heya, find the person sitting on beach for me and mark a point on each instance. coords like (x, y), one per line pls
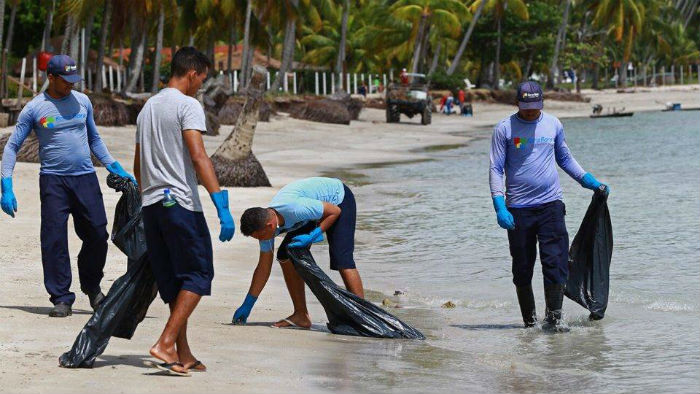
(169, 160)
(304, 210)
(526, 147)
(64, 125)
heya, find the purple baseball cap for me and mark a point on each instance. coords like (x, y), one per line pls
(63, 66)
(530, 95)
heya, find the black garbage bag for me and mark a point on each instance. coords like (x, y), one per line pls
(589, 258)
(347, 313)
(128, 299)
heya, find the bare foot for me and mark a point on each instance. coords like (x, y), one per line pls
(302, 320)
(167, 355)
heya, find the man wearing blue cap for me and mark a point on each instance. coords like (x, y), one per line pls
(525, 148)
(63, 122)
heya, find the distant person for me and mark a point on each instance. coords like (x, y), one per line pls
(304, 210)
(363, 89)
(169, 160)
(526, 147)
(404, 77)
(446, 105)
(460, 96)
(62, 119)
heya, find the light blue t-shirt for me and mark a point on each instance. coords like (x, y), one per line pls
(526, 153)
(302, 201)
(66, 131)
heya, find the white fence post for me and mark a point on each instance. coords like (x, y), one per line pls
(104, 76)
(294, 81)
(267, 77)
(235, 80)
(355, 82)
(316, 82)
(285, 82)
(34, 72)
(384, 79)
(111, 80)
(332, 83)
(20, 88)
(347, 83)
(324, 83)
(119, 79)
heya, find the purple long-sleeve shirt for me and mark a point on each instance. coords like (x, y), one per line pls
(525, 152)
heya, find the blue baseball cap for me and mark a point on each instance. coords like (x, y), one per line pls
(64, 67)
(530, 95)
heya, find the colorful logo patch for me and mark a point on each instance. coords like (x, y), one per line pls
(47, 122)
(520, 142)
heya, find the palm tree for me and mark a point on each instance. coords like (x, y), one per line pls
(423, 14)
(465, 40)
(246, 55)
(554, 68)
(287, 12)
(624, 19)
(498, 9)
(159, 48)
(8, 45)
(106, 23)
(340, 60)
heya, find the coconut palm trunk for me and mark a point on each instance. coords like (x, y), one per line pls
(246, 43)
(497, 67)
(554, 67)
(106, 22)
(341, 47)
(159, 48)
(8, 47)
(234, 161)
(465, 40)
(46, 37)
(419, 41)
(436, 57)
(287, 54)
(135, 66)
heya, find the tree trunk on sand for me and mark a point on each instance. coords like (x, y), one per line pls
(67, 34)
(436, 56)
(7, 48)
(465, 40)
(46, 37)
(234, 161)
(246, 44)
(341, 48)
(497, 67)
(135, 66)
(159, 49)
(287, 54)
(106, 21)
(622, 74)
(554, 67)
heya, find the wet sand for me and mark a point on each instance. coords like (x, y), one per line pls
(253, 358)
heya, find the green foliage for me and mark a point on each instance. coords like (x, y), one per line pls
(440, 80)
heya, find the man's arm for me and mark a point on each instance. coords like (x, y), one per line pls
(201, 161)
(24, 126)
(97, 146)
(261, 274)
(137, 164)
(497, 162)
(330, 215)
(564, 158)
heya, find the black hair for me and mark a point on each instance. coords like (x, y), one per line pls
(186, 59)
(253, 219)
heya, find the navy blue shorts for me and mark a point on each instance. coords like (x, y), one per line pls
(341, 235)
(179, 247)
(544, 225)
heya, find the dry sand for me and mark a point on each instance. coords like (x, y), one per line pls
(252, 358)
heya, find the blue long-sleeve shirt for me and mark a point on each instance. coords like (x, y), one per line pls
(525, 152)
(66, 131)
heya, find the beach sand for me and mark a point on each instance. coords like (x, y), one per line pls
(252, 358)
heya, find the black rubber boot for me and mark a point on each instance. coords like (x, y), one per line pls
(61, 309)
(553, 296)
(526, 299)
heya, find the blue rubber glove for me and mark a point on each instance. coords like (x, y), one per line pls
(9, 202)
(589, 182)
(505, 219)
(305, 240)
(117, 169)
(242, 313)
(220, 200)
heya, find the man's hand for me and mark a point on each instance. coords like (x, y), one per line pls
(117, 169)
(503, 216)
(242, 313)
(589, 182)
(9, 202)
(305, 240)
(228, 227)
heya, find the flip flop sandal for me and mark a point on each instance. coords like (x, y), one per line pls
(168, 367)
(291, 325)
(197, 363)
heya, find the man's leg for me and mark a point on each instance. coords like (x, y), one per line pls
(90, 223)
(165, 349)
(184, 352)
(55, 260)
(554, 255)
(341, 244)
(352, 281)
(523, 250)
(295, 286)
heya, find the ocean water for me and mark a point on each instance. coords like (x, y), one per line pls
(431, 233)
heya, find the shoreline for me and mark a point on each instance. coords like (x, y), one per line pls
(252, 358)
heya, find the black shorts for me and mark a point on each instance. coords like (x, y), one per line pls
(341, 235)
(180, 250)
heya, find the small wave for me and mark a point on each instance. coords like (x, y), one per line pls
(671, 306)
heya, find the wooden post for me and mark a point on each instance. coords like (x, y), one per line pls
(20, 89)
(316, 82)
(111, 80)
(34, 76)
(324, 84)
(391, 74)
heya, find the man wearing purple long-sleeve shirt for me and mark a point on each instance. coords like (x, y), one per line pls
(525, 149)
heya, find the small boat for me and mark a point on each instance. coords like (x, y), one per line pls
(598, 112)
(678, 107)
